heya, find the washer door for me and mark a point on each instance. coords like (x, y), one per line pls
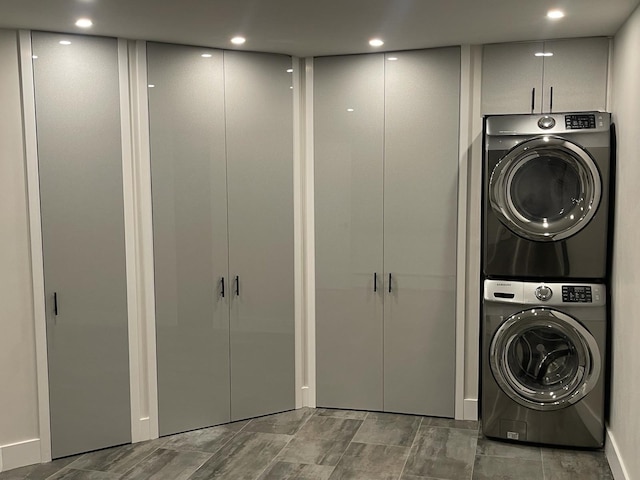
(544, 359)
(545, 189)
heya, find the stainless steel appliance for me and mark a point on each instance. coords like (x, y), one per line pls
(546, 196)
(543, 362)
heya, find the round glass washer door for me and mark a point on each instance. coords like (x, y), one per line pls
(544, 359)
(545, 189)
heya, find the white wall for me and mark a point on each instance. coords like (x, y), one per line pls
(624, 422)
(18, 390)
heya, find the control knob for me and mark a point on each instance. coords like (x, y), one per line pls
(543, 293)
(546, 122)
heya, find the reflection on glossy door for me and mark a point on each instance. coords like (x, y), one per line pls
(188, 170)
(80, 166)
(420, 214)
(349, 139)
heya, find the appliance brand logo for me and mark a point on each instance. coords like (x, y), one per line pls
(503, 284)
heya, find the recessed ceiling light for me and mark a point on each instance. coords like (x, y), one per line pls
(238, 40)
(543, 54)
(64, 42)
(34, 56)
(151, 85)
(83, 23)
(393, 59)
(289, 70)
(206, 55)
(349, 109)
(555, 14)
(376, 42)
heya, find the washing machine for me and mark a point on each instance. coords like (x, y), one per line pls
(543, 362)
(546, 196)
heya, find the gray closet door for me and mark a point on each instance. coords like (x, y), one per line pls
(188, 170)
(79, 153)
(259, 114)
(349, 134)
(422, 91)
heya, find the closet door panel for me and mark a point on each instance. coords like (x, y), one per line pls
(420, 214)
(349, 134)
(188, 170)
(80, 164)
(259, 114)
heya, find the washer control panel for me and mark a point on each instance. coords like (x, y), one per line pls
(577, 294)
(579, 122)
(544, 293)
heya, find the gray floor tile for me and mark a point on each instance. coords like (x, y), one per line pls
(450, 423)
(205, 440)
(338, 429)
(318, 451)
(73, 474)
(116, 459)
(333, 412)
(169, 464)
(415, 477)
(297, 471)
(506, 449)
(236, 426)
(245, 457)
(362, 458)
(388, 429)
(40, 471)
(286, 423)
(504, 468)
(575, 465)
(446, 453)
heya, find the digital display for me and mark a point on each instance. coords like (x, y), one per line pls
(575, 294)
(577, 122)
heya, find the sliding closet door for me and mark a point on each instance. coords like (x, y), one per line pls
(188, 170)
(80, 162)
(349, 142)
(422, 91)
(259, 112)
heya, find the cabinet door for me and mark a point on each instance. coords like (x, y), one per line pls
(77, 100)
(422, 92)
(577, 72)
(188, 171)
(349, 140)
(259, 113)
(511, 78)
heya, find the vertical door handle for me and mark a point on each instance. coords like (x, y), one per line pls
(55, 303)
(533, 99)
(222, 287)
(550, 99)
(375, 281)
(237, 285)
(389, 283)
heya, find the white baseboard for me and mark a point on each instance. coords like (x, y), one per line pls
(143, 431)
(470, 411)
(615, 460)
(19, 454)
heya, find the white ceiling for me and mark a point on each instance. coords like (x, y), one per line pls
(322, 27)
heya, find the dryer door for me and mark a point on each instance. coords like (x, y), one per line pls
(545, 189)
(544, 359)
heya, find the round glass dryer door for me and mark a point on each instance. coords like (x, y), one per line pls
(544, 359)
(546, 188)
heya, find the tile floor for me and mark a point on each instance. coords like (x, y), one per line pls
(321, 444)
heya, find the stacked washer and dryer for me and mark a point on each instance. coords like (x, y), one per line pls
(546, 197)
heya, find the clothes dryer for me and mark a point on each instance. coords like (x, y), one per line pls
(543, 362)
(546, 196)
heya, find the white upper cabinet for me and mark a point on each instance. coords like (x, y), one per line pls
(571, 76)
